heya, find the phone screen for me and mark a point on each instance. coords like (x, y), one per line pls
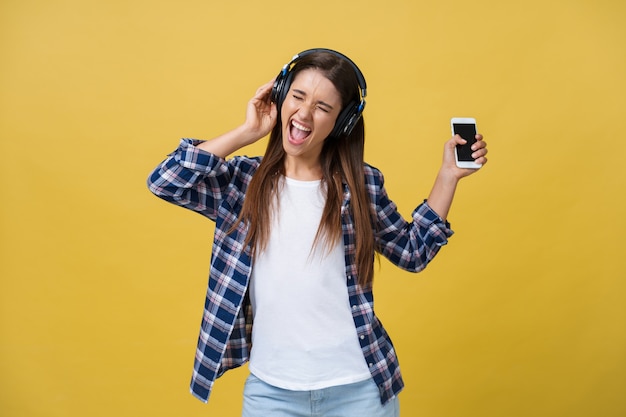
(468, 132)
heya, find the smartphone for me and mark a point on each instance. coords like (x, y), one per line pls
(466, 128)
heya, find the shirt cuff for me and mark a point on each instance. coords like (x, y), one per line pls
(194, 158)
(426, 217)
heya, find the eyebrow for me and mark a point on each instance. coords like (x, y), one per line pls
(320, 102)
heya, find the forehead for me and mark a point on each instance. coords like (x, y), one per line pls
(313, 81)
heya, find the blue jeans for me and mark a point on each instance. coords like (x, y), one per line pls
(360, 399)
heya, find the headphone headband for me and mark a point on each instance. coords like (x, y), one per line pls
(357, 71)
(349, 116)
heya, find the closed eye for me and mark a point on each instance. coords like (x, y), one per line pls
(322, 105)
(324, 109)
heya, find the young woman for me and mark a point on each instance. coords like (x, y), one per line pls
(295, 239)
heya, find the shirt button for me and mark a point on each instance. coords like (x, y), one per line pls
(362, 337)
(354, 307)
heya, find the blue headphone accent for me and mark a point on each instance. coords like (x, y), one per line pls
(350, 114)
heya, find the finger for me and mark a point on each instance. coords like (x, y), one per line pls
(264, 89)
(479, 153)
(481, 160)
(457, 139)
(478, 146)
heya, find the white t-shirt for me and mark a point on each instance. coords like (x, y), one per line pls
(304, 337)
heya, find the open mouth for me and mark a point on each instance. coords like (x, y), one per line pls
(298, 133)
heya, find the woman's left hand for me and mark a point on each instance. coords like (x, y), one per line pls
(442, 193)
(479, 152)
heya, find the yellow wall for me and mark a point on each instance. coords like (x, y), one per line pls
(102, 285)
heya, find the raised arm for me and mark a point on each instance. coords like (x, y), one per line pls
(444, 188)
(261, 116)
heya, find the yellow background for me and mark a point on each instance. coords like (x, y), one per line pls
(102, 285)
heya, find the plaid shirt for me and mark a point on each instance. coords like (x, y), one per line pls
(216, 188)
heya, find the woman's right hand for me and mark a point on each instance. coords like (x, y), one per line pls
(261, 116)
(261, 113)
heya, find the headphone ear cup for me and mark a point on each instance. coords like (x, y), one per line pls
(347, 119)
(276, 89)
(281, 88)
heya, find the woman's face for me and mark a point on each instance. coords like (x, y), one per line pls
(308, 115)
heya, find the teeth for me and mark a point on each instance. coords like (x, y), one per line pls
(300, 127)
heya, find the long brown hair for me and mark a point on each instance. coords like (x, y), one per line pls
(341, 161)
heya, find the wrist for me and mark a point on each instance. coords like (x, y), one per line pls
(448, 177)
(249, 134)
(244, 135)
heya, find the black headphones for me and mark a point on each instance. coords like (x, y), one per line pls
(352, 112)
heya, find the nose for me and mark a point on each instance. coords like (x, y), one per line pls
(304, 111)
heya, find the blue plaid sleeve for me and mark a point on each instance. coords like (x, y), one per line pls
(409, 245)
(197, 180)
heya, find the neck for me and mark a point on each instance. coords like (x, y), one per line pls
(303, 170)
